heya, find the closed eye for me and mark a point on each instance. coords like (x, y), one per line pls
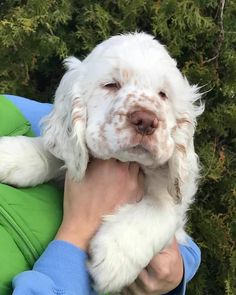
(115, 85)
(163, 95)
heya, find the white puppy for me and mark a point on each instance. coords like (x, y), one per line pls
(127, 100)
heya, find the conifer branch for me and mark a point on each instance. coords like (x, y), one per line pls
(221, 35)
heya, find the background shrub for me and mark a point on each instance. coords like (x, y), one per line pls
(36, 35)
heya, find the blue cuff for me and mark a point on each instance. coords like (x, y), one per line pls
(65, 264)
(32, 282)
(191, 255)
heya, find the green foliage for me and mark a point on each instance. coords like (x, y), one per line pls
(36, 35)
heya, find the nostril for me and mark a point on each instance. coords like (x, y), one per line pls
(138, 122)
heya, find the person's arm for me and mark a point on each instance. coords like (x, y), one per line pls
(62, 267)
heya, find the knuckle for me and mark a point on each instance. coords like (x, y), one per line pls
(122, 172)
(133, 185)
(165, 273)
(151, 287)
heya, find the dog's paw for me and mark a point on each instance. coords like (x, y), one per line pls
(24, 162)
(119, 251)
(124, 246)
(110, 266)
(9, 169)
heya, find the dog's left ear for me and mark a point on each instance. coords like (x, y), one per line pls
(64, 128)
(184, 165)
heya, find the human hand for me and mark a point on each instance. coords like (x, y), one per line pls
(106, 186)
(163, 274)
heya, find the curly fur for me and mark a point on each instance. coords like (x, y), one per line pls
(93, 102)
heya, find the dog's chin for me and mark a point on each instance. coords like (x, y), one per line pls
(135, 154)
(138, 154)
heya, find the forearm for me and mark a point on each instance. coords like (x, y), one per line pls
(52, 275)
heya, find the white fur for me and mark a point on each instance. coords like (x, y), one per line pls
(90, 119)
(25, 162)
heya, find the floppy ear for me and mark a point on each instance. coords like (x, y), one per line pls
(64, 128)
(184, 165)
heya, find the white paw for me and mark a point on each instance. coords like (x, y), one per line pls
(119, 251)
(126, 243)
(24, 162)
(110, 266)
(9, 167)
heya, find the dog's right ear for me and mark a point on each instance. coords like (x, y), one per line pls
(64, 128)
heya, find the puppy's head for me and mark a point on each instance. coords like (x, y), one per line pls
(126, 100)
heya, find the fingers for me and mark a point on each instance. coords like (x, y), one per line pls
(128, 174)
(147, 281)
(140, 193)
(68, 182)
(140, 186)
(134, 168)
(111, 163)
(137, 289)
(138, 179)
(135, 176)
(133, 289)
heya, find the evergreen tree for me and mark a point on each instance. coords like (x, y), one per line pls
(36, 35)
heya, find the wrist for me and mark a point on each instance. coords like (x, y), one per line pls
(78, 236)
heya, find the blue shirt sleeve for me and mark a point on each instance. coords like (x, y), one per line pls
(32, 110)
(191, 256)
(61, 270)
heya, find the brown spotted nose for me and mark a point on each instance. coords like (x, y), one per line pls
(144, 122)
